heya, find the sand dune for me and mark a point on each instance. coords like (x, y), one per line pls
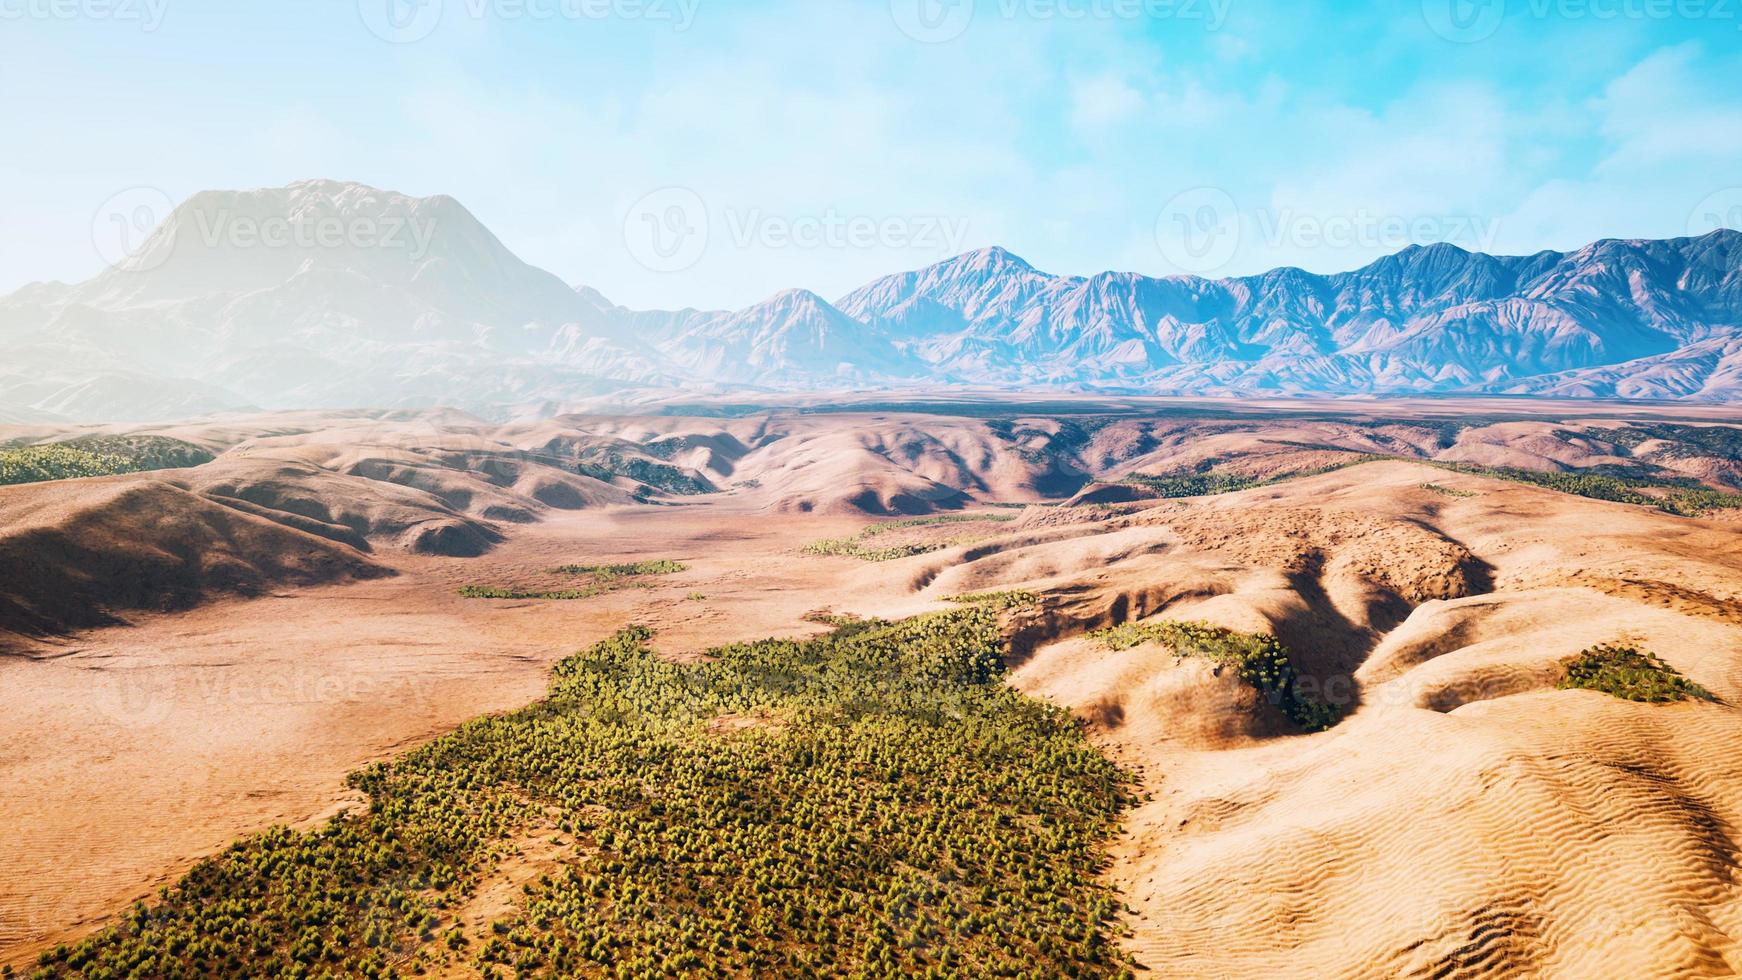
(1468, 819)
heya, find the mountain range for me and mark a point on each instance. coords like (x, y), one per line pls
(200, 319)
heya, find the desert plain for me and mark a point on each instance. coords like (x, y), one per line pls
(191, 655)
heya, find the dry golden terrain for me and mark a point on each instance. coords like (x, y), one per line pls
(191, 655)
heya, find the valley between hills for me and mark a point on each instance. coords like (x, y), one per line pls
(1081, 686)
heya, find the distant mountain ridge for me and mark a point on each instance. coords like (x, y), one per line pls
(201, 319)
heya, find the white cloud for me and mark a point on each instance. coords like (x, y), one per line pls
(1103, 100)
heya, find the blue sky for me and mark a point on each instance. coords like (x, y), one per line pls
(821, 144)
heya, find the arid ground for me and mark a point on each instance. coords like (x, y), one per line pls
(191, 655)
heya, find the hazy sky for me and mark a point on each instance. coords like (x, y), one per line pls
(821, 144)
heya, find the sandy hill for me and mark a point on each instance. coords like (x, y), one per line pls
(1467, 818)
(448, 484)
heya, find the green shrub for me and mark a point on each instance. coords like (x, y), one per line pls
(96, 456)
(1259, 659)
(1008, 599)
(1176, 485)
(605, 578)
(661, 566)
(497, 592)
(1629, 673)
(610, 464)
(859, 547)
(1683, 498)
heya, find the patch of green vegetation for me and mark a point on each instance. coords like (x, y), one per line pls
(1629, 673)
(1193, 484)
(1684, 499)
(609, 464)
(854, 548)
(497, 592)
(844, 623)
(1209, 482)
(1259, 659)
(858, 546)
(884, 527)
(912, 815)
(1722, 441)
(37, 464)
(1446, 491)
(660, 566)
(96, 456)
(1006, 599)
(670, 446)
(604, 578)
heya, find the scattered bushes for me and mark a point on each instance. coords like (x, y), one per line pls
(1629, 673)
(498, 592)
(911, 816)
(1193, 484)
(1210, 482)
(1683, 498)
(96, 456)
(860, 546)
(609, 464)
(1446, 491)
(604, 578)
(1007, 599)
(661, 566)
(1258, 658)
